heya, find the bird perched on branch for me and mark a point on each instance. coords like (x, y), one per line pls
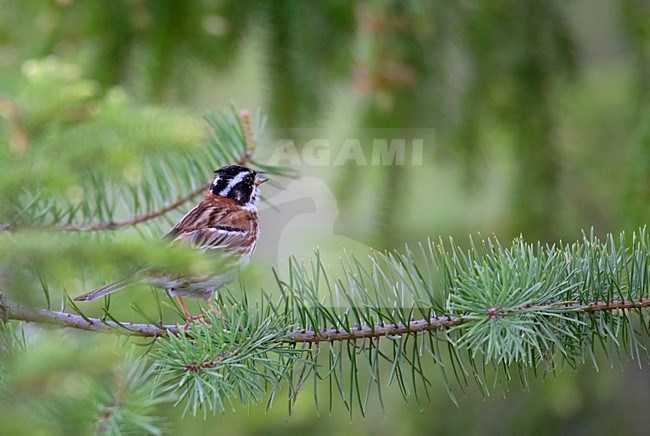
(225, 221)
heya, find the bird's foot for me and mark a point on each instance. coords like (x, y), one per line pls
(193, 319)
(200, 317)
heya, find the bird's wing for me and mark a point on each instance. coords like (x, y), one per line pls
(211, 226)
(219, 237)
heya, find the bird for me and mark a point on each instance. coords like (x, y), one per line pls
(224, 223)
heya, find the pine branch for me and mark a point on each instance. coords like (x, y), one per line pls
(128, 404)
(137, 219)
(524, 307)
(13, 311)
(243, 158)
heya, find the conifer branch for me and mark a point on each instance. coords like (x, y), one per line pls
(127, 406)
(18, 312)
(112, 225)
(242, 159)
(442, 322)
(13, 311)
(515, 307)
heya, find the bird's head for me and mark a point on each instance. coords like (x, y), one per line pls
(238, 183)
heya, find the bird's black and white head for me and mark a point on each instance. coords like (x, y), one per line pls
(238, 183)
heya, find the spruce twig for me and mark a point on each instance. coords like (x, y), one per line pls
(243, 158)
(14, 311)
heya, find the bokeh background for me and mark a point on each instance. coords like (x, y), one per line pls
(541, 114)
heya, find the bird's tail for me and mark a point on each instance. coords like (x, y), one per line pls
(106, 289)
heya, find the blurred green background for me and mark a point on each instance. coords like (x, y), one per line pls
(541, 114)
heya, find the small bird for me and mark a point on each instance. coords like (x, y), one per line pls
(225, 220)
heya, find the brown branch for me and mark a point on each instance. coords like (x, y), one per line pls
(10, 310)
(112, 225)
(618, 305)
(18, 312)
(339, 334)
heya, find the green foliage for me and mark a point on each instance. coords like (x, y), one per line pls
(531, 296)
(519, 311)
(395, 318)
(437, 317)
(237, 357)
(83, 148)
(110, 156)
(42, 378)
(129, 406)
(74, 261)
(116, 166)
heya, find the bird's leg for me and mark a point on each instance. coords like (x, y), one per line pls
(186, 313)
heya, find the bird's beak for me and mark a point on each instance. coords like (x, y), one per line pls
(260, 180)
